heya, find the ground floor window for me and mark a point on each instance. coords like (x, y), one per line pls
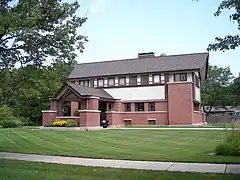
(152, 122)
(127, 122)
(127, 107)
(139, 106)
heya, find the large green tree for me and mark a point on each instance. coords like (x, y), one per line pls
(235, 88)
(230, 41)
(33, 30)
(215, 91)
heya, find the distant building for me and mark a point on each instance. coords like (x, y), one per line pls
(147, 90)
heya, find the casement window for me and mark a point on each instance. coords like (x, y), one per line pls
(156, 79)
(100, 82)
(81, 82)
(197, 81)
(127, 107)
(145, 79)
(86, 83)
(180, 77)
(151, 106)
(139, 106)
(90, 83)
(121, 81)
(133, 80)
(110, 81)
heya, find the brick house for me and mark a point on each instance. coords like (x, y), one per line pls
(147, 90)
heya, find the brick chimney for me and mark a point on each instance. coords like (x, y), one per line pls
(146, 55)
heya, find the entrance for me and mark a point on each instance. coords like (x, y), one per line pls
(103, 108)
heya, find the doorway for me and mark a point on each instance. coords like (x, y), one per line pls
(102, 106)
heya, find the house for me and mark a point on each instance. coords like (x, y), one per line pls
(147, 90)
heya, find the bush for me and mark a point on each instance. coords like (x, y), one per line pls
(7, 119)
(11, 123)
(231, 144)
(71, 123)
(26, 121)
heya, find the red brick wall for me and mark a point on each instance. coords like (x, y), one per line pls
(197, 118)
(115, 119)
(93, 104)
(89, 118)
(142, 118)
(74, 107)
(180, 103)
(48, 117)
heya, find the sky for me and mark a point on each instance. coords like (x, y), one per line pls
(119, 29)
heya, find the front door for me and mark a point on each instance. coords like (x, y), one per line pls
(103, 109)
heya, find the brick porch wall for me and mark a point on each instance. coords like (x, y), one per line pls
(89, 118)
(48, 116)
(197, 117)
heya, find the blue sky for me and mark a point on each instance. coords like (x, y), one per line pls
(119, 29)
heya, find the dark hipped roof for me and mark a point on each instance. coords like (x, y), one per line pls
(88, 91)
(195, 61)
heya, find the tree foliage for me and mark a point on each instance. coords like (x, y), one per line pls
(27, 89)
(31, 31)
(215, 91)
(229, 41)
(235, 88)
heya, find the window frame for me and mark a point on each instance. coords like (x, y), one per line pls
(108, 80)
(197, 80)
(125, 107)
(137, 109)
(124, 78)
(159, 78)
(181, 75)
(130, 80)
(149, 106)
(102, 82)
(142, 79)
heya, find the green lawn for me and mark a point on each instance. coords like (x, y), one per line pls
(156, 145)
(20, 170)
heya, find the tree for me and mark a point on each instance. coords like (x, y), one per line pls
(235, 88)
(31, 31)
(215, 91)
(229, 41)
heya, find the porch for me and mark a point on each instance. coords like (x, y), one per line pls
(84, 105)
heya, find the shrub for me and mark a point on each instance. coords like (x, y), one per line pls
(231, 144)
(26, 121)
(71, 123)
(11, 123)
(7, 119)
(59, 123)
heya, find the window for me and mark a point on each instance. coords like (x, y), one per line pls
(156, 79)
(127, 122)
(151, 106)
(81, 83)
(139, 106)
(91, 83)
(127, 107)
(86, 83)
(109, 106)
(145, 79)
(197, 81)
(122, 81)
(111, 82)
(133, 80)
(151, 122)
(100, 82)
(180, 77)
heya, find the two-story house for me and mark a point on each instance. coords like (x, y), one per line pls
(147, 90)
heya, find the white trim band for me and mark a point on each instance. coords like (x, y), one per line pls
(48, 111)
(89, 110)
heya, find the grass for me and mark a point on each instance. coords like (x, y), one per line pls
(190, 126)
(168, 145)
(19, 170)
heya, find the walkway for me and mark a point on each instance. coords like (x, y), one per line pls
(143, 165)
(177, 128)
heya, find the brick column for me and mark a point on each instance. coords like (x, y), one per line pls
(48, 116)
(115, 117)
(180, 103)
(91, 115)
(74, 108)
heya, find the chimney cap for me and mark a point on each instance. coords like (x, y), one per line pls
(146, 55)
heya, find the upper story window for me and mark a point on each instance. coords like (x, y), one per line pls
(156, 79)
(151, 106)
(145, 79)
(197, 81)
(110, 81)
(86, 83)
(180, 77)
(127, 107)
(139, 106)
(133, 80)
(122, 81)
(100, 82)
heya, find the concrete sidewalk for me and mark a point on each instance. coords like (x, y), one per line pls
(177, 128)
(143, 165)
